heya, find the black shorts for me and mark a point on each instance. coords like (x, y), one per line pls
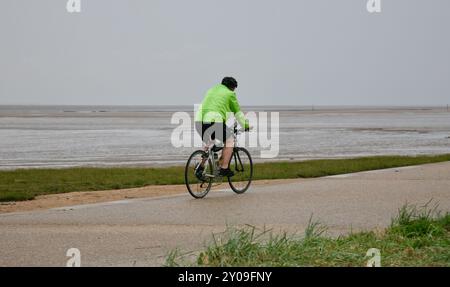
(219, 131)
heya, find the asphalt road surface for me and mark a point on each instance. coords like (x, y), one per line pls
(140, 232)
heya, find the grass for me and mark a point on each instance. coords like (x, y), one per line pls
(416, 237)
(26, 184)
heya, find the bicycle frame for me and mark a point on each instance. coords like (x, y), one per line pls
(211, 150)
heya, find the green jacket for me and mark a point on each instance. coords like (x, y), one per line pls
(218, 102)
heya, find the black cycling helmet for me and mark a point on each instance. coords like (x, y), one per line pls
(230, 83)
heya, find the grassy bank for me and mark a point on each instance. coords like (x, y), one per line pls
(416, 237)
(25, 184)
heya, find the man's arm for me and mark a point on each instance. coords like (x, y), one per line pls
(236, 109)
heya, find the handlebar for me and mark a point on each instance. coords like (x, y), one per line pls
(241, 130)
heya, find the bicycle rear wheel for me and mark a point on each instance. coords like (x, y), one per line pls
(242, 165)
(198, 184)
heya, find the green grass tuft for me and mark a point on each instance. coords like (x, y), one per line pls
(413, 222)
(416, 237)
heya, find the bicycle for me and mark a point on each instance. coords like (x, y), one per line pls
(199, 182)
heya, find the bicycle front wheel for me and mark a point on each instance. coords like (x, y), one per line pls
(198, 182)
(242, 166)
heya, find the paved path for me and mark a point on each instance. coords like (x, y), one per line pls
(140, 232)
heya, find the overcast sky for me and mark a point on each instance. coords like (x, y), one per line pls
(286, 52)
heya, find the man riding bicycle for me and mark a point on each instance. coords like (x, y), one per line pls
(219, 102)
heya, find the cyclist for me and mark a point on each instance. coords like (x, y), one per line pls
(219, 102)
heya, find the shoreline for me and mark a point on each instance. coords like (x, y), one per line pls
(58, 111)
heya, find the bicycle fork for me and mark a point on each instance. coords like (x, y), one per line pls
(238, 166)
